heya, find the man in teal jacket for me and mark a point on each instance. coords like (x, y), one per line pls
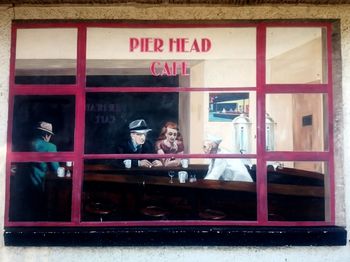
(28, 200)
(41, 143)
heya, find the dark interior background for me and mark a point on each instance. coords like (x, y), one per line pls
(57, 110)
(109, 114)
(131, 81)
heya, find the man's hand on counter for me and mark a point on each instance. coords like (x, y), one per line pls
(146, 163)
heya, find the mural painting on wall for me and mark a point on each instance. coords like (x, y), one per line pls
(224, 107)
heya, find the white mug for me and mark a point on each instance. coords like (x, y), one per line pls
(127, 163)
(182, 176)
(184, 163)
(60, 172)
(69, 163)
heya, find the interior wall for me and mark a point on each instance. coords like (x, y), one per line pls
(280, 109)
(308, 137)
(196, 116)
(303, 64)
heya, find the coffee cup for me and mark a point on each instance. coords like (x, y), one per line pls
(60, 172)
(184, 163)
(127, 163)
(182, 176)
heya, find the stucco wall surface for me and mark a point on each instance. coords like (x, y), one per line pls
(131, 12)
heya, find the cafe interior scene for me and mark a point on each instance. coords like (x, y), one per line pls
(170, 133)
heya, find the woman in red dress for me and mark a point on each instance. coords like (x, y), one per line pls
(170, 142)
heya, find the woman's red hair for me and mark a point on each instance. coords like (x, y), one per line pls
(171, 125)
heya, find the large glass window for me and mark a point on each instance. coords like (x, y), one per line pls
(300, 117)
(180, 57)
(41, 191)
(296, 55)
(30, 112)
(46, 56)
(195, 114)
(224, 124)
(296, 190)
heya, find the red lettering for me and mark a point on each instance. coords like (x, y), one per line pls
(184, 42)
(166, 70)
(153, 68)
(144, 44)
(195, 46)
(172, 42)
(133, 44)
(158, 45)
(182, 45)
(184, 68)
(206, 45)
(174, 69)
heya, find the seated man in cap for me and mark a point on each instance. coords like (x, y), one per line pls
(138, 144)
(224, 168)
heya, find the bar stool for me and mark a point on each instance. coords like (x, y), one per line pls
(155, 212)
(98, 204)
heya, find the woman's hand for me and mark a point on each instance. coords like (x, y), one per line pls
(172, 162)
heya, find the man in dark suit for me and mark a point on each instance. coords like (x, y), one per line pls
(138, 144)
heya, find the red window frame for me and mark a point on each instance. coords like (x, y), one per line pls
(79, 90)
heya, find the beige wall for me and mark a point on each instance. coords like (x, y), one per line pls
(262, 254)
(301, 64)
(280, 108)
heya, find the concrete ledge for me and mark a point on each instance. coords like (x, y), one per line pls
(176, 236)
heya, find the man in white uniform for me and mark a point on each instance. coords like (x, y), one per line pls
(226, 169)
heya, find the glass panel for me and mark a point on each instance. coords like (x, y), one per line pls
(297, 122)
(189, 117)
(41, 191)
(296, 191)
(296, 55)
(51, 60)
(113, 192)
(43, 123)
(172, 57)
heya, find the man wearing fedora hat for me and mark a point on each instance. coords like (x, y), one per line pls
(41, 143)
(138, 144)
(30, 202)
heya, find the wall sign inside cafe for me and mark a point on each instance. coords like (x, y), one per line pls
(171, 45)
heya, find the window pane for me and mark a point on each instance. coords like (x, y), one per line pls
(296, 55)
(46, 56)
(35, 117)
(296, 191)
(297, 122)
(115, 193)
(172, 57)
(190, 117)
(41, 191)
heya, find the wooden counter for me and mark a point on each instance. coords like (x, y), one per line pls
(297, 190)
(126, 192)
(158, 176)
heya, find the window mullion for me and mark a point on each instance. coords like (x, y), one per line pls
(80, 125)
(261, 179)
